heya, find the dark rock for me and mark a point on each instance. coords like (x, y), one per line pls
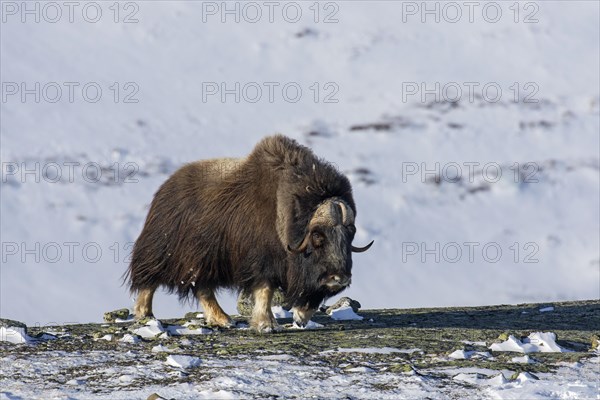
(344, 302)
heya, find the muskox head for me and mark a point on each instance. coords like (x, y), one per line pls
(323, 260)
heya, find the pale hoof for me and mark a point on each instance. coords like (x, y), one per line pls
(225, 324)
(267, 327)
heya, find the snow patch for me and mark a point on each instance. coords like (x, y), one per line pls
(277, 357)
(178, 330)
(364, 370)
(482, 344)
(466, 355)
(522, 360)
(15, 335)
(526, 377)
(345, 313)
(537, 342)
(129, 338)
(128, 319)
(478, 379)
(126, 378)
(218, 395)
(183, 361)
(309, 325)
(75, 382)
(280, 312)
(152, 329)
(160, 348)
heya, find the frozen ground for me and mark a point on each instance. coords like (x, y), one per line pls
(118, 374)
(391, 354)
(531, 235)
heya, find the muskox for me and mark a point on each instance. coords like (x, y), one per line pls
(278, 218)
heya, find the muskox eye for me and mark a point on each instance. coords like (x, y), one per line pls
(317, 239)
(352, 229)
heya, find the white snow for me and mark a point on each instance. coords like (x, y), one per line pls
(466, 355)
(14, 335)
(363, 370)
(522, 360)
(309, 325)
(552, 221)
(482, 344)
(154, 329)
(571, 381)
(177, 330)
(277, 357)
(537, 342)
(344, 314)
(129, 319)
(459, 354)
(476, 379)
(526, 376)
(75, 382)
(547, 309)
(183, 361)
(110, 373)
(128, 338)
(546, 228)
(160, 348)
(150, 330)
(280, 312)
(125, 379)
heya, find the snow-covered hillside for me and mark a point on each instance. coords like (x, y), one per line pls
(400, 104)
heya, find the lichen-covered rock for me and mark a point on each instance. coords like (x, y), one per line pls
(10, 323)
(155, 396)
(503, 337)
(143, 321)
(192, 315)
(111, 316)
(245, 302)
(595, 343)
(14, 332)
(344, 302)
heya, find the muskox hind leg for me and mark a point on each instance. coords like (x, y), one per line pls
(213, 313)
(262, 316)
(143, 303)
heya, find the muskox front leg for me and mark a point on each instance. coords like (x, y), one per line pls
(302, 315)
(213, 313)
(143, 303)
(262, 316)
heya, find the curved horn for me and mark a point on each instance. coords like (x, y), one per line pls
(302, 247)
(325, 214)
(347, 213)
(342, 208)
(362, 249)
